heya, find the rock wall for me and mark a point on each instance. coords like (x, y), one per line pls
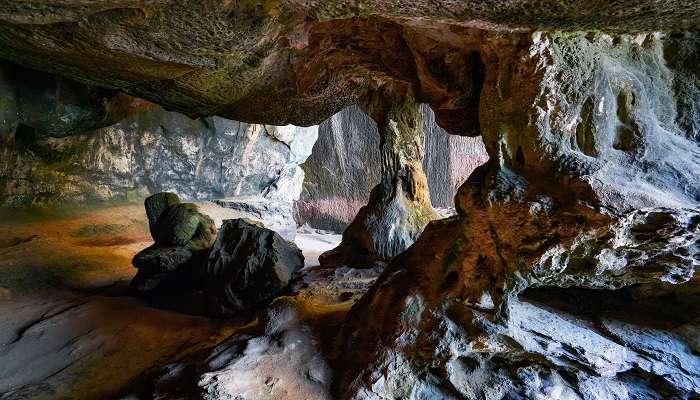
(570, 270)
(155, 151)
(269, 61)
(345, 164)
(52, 152)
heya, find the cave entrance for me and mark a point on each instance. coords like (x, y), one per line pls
(344, 166)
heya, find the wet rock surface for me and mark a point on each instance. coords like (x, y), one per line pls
(248, 265)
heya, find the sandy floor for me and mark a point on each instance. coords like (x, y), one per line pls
(69, 325)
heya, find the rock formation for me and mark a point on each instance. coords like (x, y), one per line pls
(282, 361)
(248, 265)
(182, 236)
(345, 164)
(203, 271)
(569, 270)
(399, 206)
(46, 163)
(292, 62)
(562, 210)
(178, 224)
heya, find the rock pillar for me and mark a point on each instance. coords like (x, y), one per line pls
(399, 206)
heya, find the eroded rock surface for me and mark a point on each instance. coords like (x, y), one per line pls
(590, 196)
(171, 268)
(248, 265)
(399, 206)
(570, 269)
(153, 150)
(282, 361)
(345, 165)
(288, 62)
(178, 224)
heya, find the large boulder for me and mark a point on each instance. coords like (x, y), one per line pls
(178, 224)
(248, 265)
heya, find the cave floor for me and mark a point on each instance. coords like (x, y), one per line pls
(71, 328)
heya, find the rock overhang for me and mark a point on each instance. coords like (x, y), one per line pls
(299, 62)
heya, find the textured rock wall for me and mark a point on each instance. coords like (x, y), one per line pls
(449, 160)
(51, 152)
(590, 197)
(399, 205)
(156, 151)
(293, 61)
(345, 165)
(571, 267)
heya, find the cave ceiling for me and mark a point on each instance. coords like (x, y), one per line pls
(299, 62)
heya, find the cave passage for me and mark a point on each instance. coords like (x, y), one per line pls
(327, 200)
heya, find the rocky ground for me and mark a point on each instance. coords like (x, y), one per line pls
(70, 327)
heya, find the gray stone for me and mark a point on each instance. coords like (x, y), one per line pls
(247, 266)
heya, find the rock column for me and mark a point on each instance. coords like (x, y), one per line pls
(399, 206)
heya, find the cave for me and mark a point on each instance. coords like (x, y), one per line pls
(320, 200)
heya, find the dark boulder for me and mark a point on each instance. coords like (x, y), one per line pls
(248, 265)
(168, 268)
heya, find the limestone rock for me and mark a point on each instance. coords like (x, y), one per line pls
(282, 361)
(248, 265)
(36, 105)
(571, 267)
(344, 167)
(274, 215)
(178, 224)
(149, 151)
(284, 72)
(399, 206)
(183, 225)
(156, 205)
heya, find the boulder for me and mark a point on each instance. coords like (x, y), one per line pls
(248, 265)
(167, 268)
(184, 225)
(178, 224)
(155, 206)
